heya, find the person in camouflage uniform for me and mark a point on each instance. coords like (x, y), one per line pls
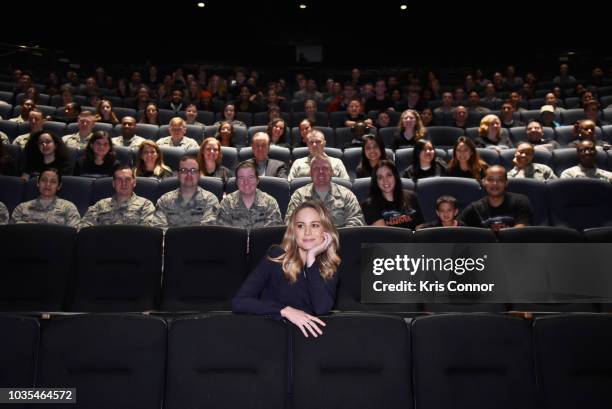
(47, 208)
(316, 146)
(79, 140)
(128, 137)
(4, 214)
(248, 207)
(340, 201)
(125, 207)
(36, 120)
(189, 205)
(177, 138)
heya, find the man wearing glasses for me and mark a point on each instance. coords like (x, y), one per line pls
(499, 209)
(189, 205)
(587, 168)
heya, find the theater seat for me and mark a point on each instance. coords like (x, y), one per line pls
(276, 187)
(568, 157)
(573, 360)
(429, 190)
(96, 354)
(118, 269)
(349, 272)
(536, 192)
(204, 267)
(539, 234)
(76, 189)
(361, 361)
(260, 241)
(473, 361)
(580, 203)
(18, 352)
(211, 365)
(12, 190)
(37, 263)
(459, 235)
(444, 135)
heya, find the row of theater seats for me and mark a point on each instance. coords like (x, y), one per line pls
(558, 159)
(362, 361)
(604, 95)
(441, 136)
(333, 119)
(575, 203)
(119, 268)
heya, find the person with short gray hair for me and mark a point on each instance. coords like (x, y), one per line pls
(316, 146)
(260, 144)
(340, 201)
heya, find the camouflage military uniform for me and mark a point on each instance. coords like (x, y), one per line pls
(74, 141)
(136, 210)
(17, 119)
(59, 211)
(340, 201)
(172, 212)
(263, 212)
(301, 168)
(185, 143)
(4, 214)
(537, 171)
(21, 140)
(134, 142)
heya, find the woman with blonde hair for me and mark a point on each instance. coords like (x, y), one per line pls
(210, 157)
(491, 135)
(409, 130)
(150, 162)
(297, 280)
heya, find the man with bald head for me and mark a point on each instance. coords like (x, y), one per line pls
(316, 146)
(260, 144)
(178, 138)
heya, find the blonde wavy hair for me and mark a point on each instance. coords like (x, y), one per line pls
(419, 128)
(291, 260)
(485, 122)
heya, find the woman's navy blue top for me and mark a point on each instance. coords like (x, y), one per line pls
(266, 291)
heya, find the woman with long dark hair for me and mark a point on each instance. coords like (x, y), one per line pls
(466, 162)
(389, 204)
(372, 152)
(425, 164)
(100, 159)
(45, 150)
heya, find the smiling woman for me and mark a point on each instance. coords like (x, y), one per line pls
(298, 279)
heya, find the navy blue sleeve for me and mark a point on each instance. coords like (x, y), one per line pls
(248, 299)
(322, 292)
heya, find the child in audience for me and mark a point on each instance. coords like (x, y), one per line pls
(447, 211)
